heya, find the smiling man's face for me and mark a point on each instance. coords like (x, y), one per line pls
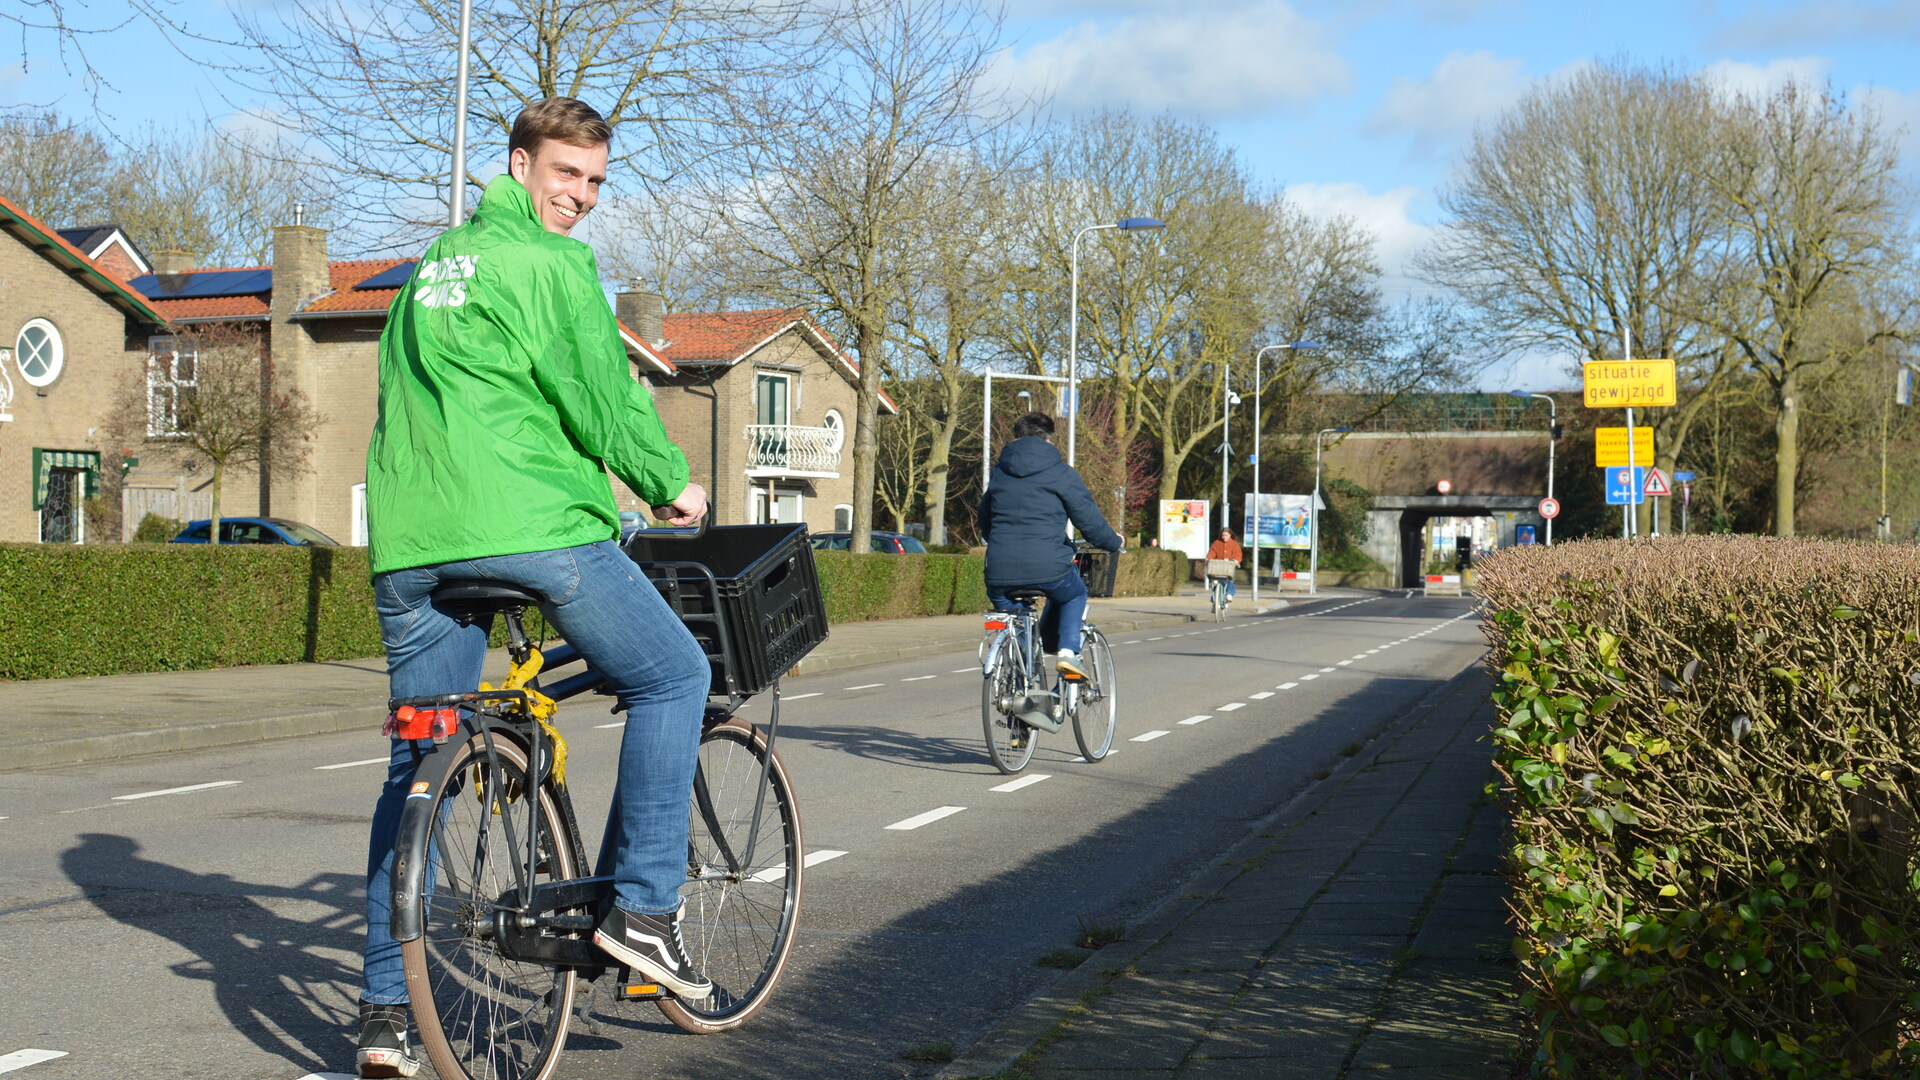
(563, 179)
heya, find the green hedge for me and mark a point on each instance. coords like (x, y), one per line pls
(107, 610)
(1710, 750)
(77, 610)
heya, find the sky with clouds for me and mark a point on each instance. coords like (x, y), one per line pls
(1352, 106)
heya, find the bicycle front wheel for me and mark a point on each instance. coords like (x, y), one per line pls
(744, 868)
(1009, 742)
(1096, 704)
(482, 1016)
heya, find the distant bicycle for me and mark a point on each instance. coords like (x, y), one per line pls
(1219, 587)
(1021, 696)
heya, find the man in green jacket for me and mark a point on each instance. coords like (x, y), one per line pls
(505, 397)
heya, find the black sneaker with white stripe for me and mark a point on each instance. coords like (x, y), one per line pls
(383, 1050)
(651, 946)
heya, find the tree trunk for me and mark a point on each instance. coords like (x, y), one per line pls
(213, 527)
(1786, 455)
(865, 437)
(939, 463)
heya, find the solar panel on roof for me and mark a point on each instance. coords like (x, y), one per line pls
(388, 279)
(204, 283)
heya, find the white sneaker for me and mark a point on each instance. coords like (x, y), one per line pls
(1068, 664)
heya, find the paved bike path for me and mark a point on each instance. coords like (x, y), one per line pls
(1359, 932)
(63, 721)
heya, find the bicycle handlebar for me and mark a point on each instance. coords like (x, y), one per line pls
(682, 532)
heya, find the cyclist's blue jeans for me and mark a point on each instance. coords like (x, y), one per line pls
(601, 603)
(1066, 609)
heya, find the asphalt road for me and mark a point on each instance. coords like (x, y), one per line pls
(199, 913)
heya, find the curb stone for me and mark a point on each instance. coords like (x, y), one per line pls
(1007, 1041)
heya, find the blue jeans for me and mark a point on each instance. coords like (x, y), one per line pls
(1066, 609)
(605, 607)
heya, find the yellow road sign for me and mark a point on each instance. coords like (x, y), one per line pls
(1629, 384)
(1610, 447)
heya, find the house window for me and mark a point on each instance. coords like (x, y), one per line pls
(843, 517)
(835, 423)
(774, 391)
(172, 382)
(39, 352)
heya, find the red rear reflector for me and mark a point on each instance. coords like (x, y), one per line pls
(996, 624)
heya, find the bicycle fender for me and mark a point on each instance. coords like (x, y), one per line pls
(991, 650)
(411, 838)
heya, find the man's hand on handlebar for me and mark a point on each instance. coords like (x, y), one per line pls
(688, 509)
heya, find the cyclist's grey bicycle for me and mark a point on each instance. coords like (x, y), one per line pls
(1021, 696)
(491, 902)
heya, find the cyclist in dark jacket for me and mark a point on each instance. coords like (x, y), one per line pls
(1030, 497)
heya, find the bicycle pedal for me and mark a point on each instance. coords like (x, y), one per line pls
(628, 990)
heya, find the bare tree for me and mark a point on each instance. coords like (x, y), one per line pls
(369, 85)
(825, 203)
(1585, 216)
(57, 170)
(1811, 191)
(74, 24)
(206, 400)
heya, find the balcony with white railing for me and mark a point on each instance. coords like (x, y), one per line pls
(786, 450)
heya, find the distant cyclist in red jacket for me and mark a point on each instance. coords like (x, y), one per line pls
(1229, 549)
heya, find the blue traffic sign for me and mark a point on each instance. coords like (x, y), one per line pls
(1626, 485)
(1683, 478)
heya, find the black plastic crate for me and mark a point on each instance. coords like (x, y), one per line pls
(758, 614)
(1099, 569)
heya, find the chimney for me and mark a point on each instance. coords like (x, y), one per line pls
(174, 261)
(299, 276)
(644, 313)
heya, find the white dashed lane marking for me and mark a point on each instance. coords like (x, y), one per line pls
(920, 678)
(864, 686)
(1327, 670)
(1025, 781)
(1308, 678)
(1149, 736)
(1230, 707)
(1286, 686)
(963, 670)
(810, 860)
(1201, 719)
(1262, 695)
(927, 818)
(623, 723)
(20, 1059)
(351, 764)
(798, 697)
(175, 790)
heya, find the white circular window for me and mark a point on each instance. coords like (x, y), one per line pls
(833, 422)
(39, 352)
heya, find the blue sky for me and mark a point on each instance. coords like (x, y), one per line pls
(1353, 107)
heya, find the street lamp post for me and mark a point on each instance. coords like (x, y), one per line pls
(1254, 526)
(986, 414)
(1553, 436)
(1228, 399)
(1313, 521)
(1132, 224)
(457, 197)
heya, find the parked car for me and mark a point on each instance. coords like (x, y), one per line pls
(892, 543)
(255, 530)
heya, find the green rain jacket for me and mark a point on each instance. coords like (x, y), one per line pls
(505, 395)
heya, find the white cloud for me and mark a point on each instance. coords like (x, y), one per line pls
(1744, 78)
(1205, 59)
(1899, 116)
(1398, 237)
(1871, 21)
(1461, 90)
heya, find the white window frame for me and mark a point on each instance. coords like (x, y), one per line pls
(837, 507)
(59, 349)
(358, 498)
(165, 385)
(760, 374)
(838, 424)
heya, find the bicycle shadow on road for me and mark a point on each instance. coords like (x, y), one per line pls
(274, 973)
(890, 744)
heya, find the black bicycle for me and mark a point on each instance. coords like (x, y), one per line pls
(491, 904)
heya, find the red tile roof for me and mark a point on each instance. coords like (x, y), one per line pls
(726, 337)
(253, 306)
(35, 234)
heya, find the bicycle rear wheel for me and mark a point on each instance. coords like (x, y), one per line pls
(483, 1016)
(741, 905)
(1009, 742)
(1096, 709)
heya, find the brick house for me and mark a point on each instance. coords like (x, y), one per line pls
(762, 400)
(72, 331)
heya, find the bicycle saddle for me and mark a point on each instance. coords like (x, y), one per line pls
(486, 595)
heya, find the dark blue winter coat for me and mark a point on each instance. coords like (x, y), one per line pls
(1030, 497)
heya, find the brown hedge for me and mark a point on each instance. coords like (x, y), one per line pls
(1709, 752)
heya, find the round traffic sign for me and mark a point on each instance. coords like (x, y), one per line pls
(1549, 508)
(1444, 486)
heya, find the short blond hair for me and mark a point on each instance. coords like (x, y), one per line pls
(568, 120)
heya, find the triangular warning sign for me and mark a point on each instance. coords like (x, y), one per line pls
(1657, 484)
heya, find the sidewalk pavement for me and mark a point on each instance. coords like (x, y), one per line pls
(63, 721)
(1359, 932)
